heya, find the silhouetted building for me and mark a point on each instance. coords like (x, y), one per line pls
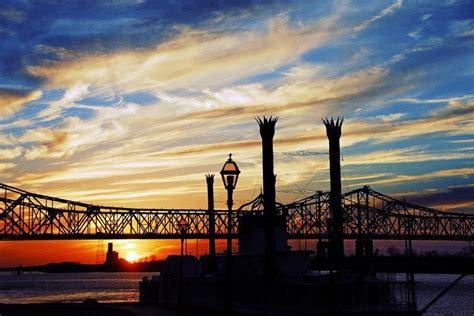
(112, 257)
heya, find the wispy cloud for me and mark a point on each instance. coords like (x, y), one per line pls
(424, 177)
(212, 79)
(387, 11)
(13, 100)
(195, 59)
(441, 100)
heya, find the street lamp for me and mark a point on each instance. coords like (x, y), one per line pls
(183, 226)
(230, 174)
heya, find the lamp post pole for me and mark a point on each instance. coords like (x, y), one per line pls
(230, 174)
(183, 226)
(228, 276)
(181, 266)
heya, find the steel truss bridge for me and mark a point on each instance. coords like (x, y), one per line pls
(367, 214)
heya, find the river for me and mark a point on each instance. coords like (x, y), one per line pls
(123, 287)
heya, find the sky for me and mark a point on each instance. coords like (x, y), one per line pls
(131, 103)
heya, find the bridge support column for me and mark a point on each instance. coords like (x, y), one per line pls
(212, 223)
(359, 248)
(322, 248)
(364, 248)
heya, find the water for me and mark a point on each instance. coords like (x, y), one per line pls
(123, 287)
(458, 301)
(69, 287)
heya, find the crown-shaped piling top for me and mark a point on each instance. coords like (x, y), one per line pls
(333, 127)
(210, 178)
(267, 125)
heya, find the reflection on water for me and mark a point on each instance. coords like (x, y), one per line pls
(123, 287)
(458, 301)
(69, 287)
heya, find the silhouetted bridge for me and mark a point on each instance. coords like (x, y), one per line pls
(367, 214)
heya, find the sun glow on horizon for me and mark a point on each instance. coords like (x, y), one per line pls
(132, 256)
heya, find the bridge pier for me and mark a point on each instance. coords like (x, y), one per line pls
(364, 248)
(322, 249)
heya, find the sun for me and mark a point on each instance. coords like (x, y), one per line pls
(132, 256)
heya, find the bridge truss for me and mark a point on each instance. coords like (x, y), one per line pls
(367, 214)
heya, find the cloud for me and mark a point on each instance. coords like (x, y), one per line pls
(12, 15)
(11, 101)
(124, 141)
(71, 95)
(47, 143)
(440, 100)
(454, 198)
(390, 117)
(462, 28)
(195, 59)
(289, 98)
(7, 166)
(387, 11)
(9, 154)
(457, 118)
(424, 177)
(208, 81)
(425, 17)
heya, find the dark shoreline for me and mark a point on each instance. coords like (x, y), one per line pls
(381, 264)
(74, 267)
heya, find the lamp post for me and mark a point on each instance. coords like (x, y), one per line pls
(230, 174)
(183, 228)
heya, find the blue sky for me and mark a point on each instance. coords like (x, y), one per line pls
(132, 102)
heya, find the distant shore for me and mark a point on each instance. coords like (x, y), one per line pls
(71, 267)
(395, 264)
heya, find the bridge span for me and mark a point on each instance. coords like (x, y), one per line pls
(367, 214)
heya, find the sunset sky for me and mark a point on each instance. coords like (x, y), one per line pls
(131, 103)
